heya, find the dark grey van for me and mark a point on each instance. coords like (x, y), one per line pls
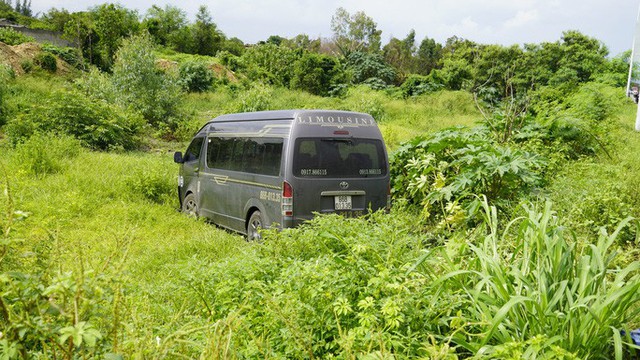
(277, 168)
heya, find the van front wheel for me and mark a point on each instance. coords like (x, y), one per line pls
(254, 225)
(190, 206)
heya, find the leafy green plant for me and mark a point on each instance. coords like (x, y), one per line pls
(26, 65)
(12, 37)
(416, 85)
(46, 61)
(153, 182)
(71, 56)
(256, 98)
(46, 312)
(536, 280)
(140, 87)
(443, 173)
(43, 154)
(195, 76)
(96, 124)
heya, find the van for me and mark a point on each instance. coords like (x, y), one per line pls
(265, 169)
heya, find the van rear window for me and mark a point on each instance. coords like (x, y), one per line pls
(339, 157)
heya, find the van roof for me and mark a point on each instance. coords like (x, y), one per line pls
(281, 114)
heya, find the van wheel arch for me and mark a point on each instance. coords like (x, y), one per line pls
(255, 221)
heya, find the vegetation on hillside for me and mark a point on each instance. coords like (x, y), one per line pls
(513, 232)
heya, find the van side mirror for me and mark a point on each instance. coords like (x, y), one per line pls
(177, 157)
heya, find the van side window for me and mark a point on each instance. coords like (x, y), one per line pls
(194, 149)
(250, 155)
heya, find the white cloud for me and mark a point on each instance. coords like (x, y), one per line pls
(522, 18)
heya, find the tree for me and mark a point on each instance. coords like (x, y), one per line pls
(207, 40)
(56, 19)
(399, 53)
(270, 63)
(316, 73)
(113, 23)
(163, 24)
(80, 30)
(428, 57)
(370, 68)
(302, 41)
(355, 32)
(139, 85)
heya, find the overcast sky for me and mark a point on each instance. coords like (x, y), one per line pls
(503, 22)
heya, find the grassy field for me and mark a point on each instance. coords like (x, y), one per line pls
(101, 234)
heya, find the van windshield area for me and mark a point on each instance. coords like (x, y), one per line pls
(338, 157)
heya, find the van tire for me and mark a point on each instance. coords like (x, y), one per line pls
(190, 205)
(254, 225)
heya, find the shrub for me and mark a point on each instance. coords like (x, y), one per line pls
(139, 86)
(315, 74)
(45, 154)
(46, 61)
(154, 183)
(370, 67)
(12, 37)
(195, 76)
(71, 56)
(96, 124)
(257, 98)
(26, 65)
(416, 85)
(443, 173)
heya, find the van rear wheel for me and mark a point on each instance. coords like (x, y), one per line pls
(190, 206)
(254, 225)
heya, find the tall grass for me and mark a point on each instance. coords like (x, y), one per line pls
(534, 289)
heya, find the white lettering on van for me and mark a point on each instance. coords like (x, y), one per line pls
(270, 196)
(370, 171)
(339, 121)
(313, 172)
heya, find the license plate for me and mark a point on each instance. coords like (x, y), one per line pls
(343, 202)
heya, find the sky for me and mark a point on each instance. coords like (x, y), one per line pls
(504, 22)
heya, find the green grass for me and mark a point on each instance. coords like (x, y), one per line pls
(101, 232)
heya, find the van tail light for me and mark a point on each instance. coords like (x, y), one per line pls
(287, 199)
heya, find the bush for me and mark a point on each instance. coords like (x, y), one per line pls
(316, 74)
(12, 37)
(416, 85)
(139, 86)
(71, 56)
(195, 76)
(26, 65)
(442, 174)
(46, 61)
(96, 124)
(257, 98)
(45, 154)
(154, 183)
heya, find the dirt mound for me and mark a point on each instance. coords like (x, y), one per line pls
(15, 56)
(166, 65)
(10, 58)
(219, 71)
(223, 72)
